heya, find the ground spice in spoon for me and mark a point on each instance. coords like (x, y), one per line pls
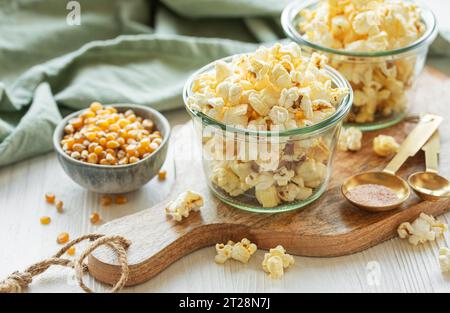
(372, 195)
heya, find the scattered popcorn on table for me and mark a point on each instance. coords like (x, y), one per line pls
(185, 203)
(444, 259)
(272, 89)
(223, 252)
(385, 145)
(350, 139)
(243, 250)
(424, 228)
(276, 261)
(369, 26)
(240, 251)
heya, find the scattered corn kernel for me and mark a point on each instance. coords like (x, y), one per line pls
(71, 251)
(59, 206)
(105, 200)
(102, 129)
(121, 200)
(162, 175)
(95, 217)
(50, 197)
(62, 238)
(45, 220)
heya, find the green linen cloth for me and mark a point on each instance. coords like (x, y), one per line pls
(49, 68)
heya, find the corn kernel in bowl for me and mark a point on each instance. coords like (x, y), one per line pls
(102, 135)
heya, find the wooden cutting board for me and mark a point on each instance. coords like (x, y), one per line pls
(327, 228)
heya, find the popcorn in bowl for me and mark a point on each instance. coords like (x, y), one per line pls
(363, 25)
(380, 46)
(277, 113)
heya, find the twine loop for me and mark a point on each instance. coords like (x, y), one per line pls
(17, 281)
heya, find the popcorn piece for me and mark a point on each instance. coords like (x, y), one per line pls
(312, 172)
(289, 192)
(350, 139)
(288, 97)
(279, 115)
(276, 261)
(236, 115)
(283, 176)
(261, 181)
(304, 193)
(385, 145)
(223, 252)
(444, 259)
(424, 228)
(185, 203)
(222, 71)
(240, 251)
(268, 197)
(225, 178)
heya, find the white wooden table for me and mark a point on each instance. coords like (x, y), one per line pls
(398, 266)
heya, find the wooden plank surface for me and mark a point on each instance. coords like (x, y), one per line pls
(24, 240)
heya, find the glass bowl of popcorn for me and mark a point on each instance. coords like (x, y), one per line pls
(380, 46)
(268, 123)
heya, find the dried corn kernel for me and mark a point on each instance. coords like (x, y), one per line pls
(45, 220)
(105, 200)
(59, 206)
(121, 200)
(78, 147)
(96, 106)
(95, 217)
(50, 197)
(162, 175)
(92, 158)
(62, 238)
(71, 251)
(133, 159)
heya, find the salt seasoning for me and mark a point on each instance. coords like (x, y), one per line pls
(372, 195)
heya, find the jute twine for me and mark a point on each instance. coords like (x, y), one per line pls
(17, 281)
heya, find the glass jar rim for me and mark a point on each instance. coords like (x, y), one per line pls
(341, 111)
(291, 11)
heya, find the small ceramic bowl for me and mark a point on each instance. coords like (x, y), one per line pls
(113, 179)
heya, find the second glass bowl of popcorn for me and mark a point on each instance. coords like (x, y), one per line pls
(379, 50)
(256, 161)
